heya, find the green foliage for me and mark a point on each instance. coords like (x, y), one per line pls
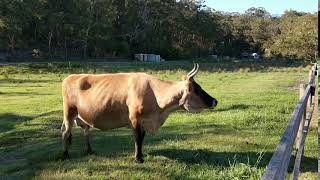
(297, 37)
(173, 29)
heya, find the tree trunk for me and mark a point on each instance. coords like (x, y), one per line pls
(12, 45)
(49, 42)
(86, 43)
(35, 30)
(65, 48)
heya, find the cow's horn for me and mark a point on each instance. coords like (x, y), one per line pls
(194, 67)
(194, 71)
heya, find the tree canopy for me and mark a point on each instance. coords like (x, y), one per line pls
(173, 29)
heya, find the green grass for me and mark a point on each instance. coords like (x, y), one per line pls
(236, 141)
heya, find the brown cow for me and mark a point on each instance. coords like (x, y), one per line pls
(109, 101)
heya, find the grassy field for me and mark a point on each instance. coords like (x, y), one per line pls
(236, 141)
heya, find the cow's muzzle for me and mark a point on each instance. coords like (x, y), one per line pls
(214, 103)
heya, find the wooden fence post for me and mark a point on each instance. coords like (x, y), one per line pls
(295, 133)
(312, 77)
(300, 131)
(310, 97)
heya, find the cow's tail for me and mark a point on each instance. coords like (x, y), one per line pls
(63, 127)
(70, 139)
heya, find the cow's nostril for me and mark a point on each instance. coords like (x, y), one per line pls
(214, 102)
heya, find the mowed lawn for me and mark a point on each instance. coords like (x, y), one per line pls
(235, 141)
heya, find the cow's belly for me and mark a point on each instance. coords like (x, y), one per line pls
(110, 120)
(103, 112)
(105, 119)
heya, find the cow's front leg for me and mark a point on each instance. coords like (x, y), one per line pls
(139, 134)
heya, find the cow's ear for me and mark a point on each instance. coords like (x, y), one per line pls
(189, 79)
(186, 78)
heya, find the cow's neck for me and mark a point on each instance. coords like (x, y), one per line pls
(168, 95)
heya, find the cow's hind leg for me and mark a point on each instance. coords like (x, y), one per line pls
(68, 115)
(86, 137)
(139, 134)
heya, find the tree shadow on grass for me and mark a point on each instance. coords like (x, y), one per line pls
(231, 66)
(24, 94)
(8, 121)
(50, 113)
(118, 143)
(105, 143)
(134, 66)
(20, 81)
(225, 159)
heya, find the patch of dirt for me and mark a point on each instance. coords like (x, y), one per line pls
(296, 87)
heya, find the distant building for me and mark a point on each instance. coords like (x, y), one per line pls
(247, 55)
(148, 57)
(213, 56)
(255, 56)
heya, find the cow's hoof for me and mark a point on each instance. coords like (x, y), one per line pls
(65, 155)
(139, 160)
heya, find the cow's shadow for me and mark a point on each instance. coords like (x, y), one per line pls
(238, 107)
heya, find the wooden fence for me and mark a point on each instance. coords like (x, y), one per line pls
(295, 133)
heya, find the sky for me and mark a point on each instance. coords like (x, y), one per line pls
(274, 7)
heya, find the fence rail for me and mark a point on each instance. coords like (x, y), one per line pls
(295, 132)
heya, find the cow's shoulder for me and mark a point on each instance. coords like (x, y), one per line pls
(139, 81)
(138, 75)
(74, 77)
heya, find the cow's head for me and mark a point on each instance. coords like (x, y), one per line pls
(194, 98)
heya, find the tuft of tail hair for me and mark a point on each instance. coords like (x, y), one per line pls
(70, 139)
(70, 136)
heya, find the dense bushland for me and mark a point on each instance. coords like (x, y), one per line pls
(173, 29)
